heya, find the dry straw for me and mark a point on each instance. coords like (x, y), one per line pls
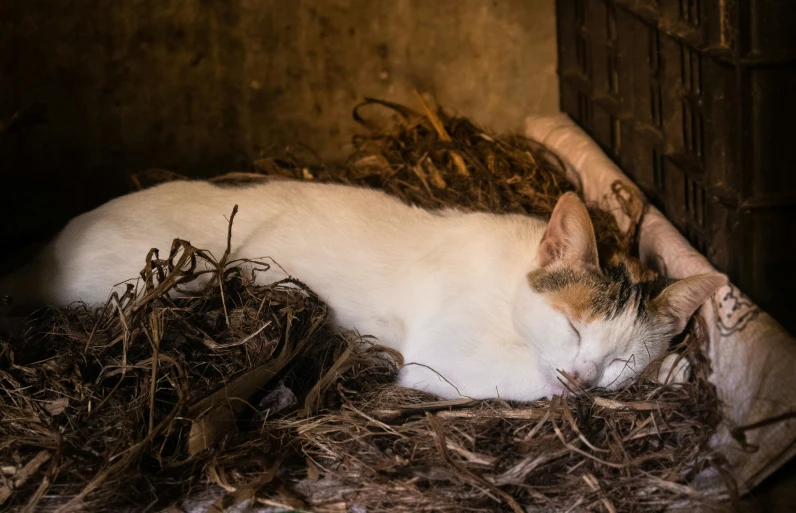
(249, 389)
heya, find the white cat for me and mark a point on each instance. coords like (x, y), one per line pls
(480, 305)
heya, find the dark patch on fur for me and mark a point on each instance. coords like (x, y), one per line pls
(615, 290)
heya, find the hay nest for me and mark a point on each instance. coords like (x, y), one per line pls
(249, 390)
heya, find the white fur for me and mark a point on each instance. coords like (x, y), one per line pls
(674, 369)
(447, 289)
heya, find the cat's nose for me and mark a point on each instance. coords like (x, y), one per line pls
(585, 375)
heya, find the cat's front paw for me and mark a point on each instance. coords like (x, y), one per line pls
(428, 380)
(673, 371)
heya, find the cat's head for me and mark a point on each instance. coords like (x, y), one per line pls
(602, 326)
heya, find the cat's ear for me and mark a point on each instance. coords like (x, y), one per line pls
(569, 237)
(682, 298)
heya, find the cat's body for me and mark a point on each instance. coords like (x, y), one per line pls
(493, 304)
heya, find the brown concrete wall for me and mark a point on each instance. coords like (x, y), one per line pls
(193, 85)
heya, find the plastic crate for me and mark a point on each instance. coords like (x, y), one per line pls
(696, 101)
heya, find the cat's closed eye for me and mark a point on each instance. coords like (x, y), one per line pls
(574, 330)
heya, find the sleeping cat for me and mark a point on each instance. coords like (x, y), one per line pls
(480, 305)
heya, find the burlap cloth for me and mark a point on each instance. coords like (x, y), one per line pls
(752, 357)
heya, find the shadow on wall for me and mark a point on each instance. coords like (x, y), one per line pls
(199, 86)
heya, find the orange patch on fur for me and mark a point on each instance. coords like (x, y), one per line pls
(637, 271)
(575, 301)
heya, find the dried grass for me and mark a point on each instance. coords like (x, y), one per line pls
(249, 389)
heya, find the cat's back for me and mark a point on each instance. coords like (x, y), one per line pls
(109, 244)
(190, 208)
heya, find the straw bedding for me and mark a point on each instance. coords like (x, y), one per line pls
(248, 390)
